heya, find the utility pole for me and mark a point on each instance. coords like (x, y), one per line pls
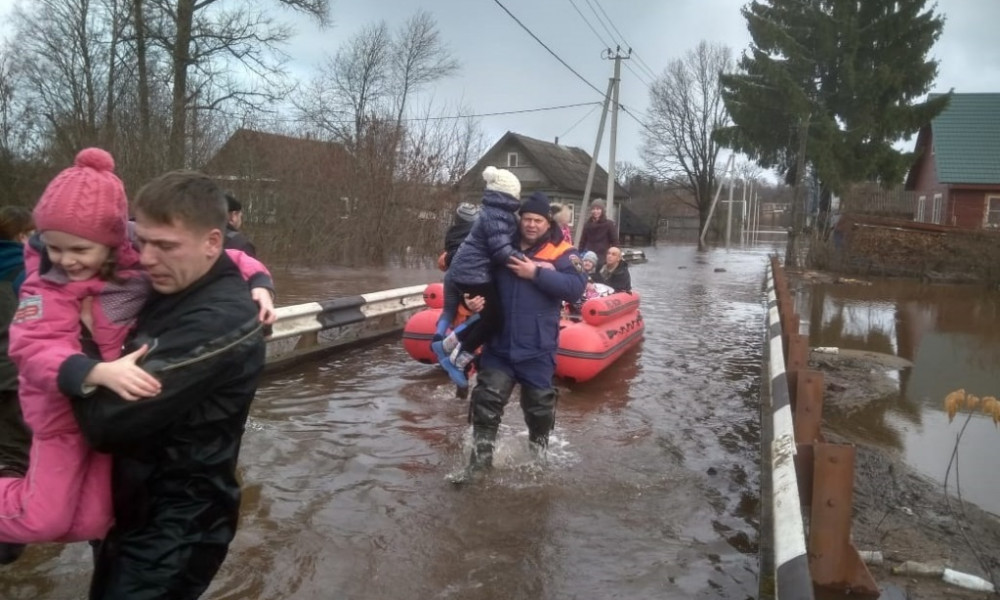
(614, 127)
(610, 102)
(711, 209)
(743, 213)
(581, 219)
(729, 212)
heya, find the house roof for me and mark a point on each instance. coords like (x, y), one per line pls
(260, 155)
(565, 166)
(966, 139)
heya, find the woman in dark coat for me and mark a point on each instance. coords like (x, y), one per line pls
(599, 232)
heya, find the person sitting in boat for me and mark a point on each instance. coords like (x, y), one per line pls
(615, 273)
(488, 245)
(589, 259)
(595, 288)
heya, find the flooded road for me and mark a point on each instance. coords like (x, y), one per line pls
(951, 334)
(652, 490)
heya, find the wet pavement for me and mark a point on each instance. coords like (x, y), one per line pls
(651, 490)
(951, 334)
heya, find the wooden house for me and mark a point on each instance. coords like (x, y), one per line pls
(558, 171)
(956, 176)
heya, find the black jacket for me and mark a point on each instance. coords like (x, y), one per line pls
(454, 237)
(620, 279)
(15, 437)
(176, 496)
(236, 240)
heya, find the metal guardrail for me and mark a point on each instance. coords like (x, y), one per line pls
(316, 327)
(790, 562)
(804, 474)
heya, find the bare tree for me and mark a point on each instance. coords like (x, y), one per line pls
(419, 57)
(364, 97)
(685, 108)
(7, 91)
(625, 172)
(64, 70)
(213, 41)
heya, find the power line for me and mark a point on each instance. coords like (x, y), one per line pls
(603, 43)
(635, 118)
(302, 119)
(608, 31)
(552, 52)
(620, 36)
(638, 76)
(565, 64)
(642, 63)
(580, 120)
(507, 112)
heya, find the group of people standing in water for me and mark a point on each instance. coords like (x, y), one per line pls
(132, 352)
(518, 256)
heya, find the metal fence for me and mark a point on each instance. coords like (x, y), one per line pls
(315, 327)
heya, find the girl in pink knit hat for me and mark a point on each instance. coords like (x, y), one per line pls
(84, 283)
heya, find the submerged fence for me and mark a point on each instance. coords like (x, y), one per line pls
(316, 327)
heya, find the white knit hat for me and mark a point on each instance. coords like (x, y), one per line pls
(502, 180)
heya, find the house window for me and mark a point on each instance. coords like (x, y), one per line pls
(993, 211)
(938, 205)
(919, 217)
(512, 159)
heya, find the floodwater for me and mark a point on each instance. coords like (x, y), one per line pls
(951, 334)
(651, 491)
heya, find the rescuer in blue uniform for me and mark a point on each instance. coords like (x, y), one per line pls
(531, 292)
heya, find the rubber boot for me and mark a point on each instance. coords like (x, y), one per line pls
(489, 397)
(539, 408)
(483, 442)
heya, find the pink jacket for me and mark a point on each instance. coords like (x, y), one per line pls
(66, 494)
(567, 233)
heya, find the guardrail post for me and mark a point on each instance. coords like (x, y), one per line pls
(789, 328)
(833, 561)
(307, 340)
(806, 421)
(804, 460)
(809, 407)
(798, 353)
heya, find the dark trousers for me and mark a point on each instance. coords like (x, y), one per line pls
(490, 318)
(493, 389)
(15, 437)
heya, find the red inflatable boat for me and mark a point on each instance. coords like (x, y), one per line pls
(607, 327)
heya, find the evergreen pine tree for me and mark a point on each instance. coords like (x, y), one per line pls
(845, 73)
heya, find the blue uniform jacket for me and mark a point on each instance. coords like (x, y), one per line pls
(532, 306)
(489, 242)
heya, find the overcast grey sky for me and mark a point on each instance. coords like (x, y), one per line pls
(504, 69)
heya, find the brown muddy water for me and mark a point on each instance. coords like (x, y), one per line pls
(951, 334)
(652, 489)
